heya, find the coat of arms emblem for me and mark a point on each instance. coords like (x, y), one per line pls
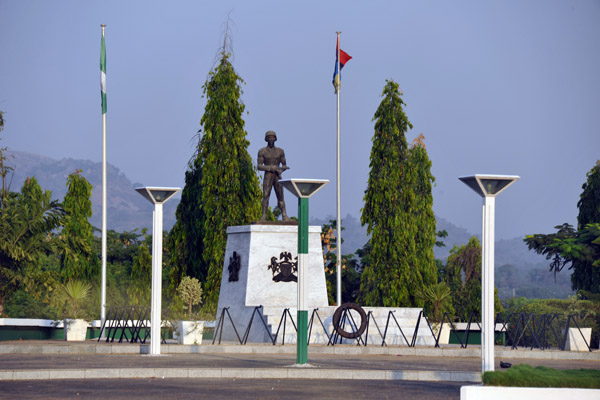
(285, 269)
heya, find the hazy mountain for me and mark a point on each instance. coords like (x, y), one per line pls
(126, 209)
(507, 251)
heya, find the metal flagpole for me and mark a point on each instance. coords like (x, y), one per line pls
(339, 218)
(103, 290)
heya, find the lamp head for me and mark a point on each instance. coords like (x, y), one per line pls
(157, 195)
(487, 185)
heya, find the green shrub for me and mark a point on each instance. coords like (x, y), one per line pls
(586, 312)
(22, 304)
(527, 376)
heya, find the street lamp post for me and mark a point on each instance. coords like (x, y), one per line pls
(157, 196)
(303, 189)
(488, 187)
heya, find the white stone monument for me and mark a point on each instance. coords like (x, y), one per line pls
(263, 265)
(258, 271)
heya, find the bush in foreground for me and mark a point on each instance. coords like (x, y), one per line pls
(527, 376)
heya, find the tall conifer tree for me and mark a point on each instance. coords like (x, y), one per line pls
(425, 271)
(78, 259)
(389, 279)
(221, 186)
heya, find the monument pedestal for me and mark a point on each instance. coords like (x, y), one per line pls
(260, 269)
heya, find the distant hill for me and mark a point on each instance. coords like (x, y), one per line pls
(126, 209)
(507, 251)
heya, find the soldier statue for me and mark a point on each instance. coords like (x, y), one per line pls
(269, 160)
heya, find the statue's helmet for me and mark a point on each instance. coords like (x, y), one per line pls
(270, 133)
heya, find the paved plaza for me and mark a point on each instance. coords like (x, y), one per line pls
(57, 369)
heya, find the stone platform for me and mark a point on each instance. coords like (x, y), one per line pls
(260, 269)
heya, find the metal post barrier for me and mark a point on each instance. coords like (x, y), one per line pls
(369, 316)
(247, 333)
(320, 321)
(221, 323)
(391, 314)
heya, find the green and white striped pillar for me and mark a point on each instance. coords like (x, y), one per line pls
(302, 316)
(303, 189)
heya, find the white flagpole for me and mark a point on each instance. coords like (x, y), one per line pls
(339, 218)
(103, 290)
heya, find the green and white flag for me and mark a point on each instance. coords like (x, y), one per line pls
(103, 74)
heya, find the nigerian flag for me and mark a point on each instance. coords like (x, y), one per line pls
(103, 74)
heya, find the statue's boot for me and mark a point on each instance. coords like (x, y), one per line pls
(265, 205)
(284, 216)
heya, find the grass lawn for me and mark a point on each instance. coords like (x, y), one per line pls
(527, 376)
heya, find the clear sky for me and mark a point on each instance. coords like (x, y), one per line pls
(500, 87)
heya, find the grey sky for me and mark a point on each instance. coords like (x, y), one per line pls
(507, 87)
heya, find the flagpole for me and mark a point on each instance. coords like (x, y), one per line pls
(339, 218)
(103, 290)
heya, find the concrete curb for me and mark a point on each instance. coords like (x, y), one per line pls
(126, 348)
(241, 373)
(71, 348)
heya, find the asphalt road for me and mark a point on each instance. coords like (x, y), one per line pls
(238, 389)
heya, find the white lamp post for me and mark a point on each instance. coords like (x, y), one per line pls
(488, 187)
(157, 196)
(303, 189)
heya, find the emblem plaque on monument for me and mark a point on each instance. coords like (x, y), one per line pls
(285, 269)
(235, 264)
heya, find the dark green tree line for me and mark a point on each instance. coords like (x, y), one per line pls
(44, 243)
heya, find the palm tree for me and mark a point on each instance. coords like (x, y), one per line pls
(76, 292)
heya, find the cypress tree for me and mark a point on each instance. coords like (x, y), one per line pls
(425, 271)
(389, 279)
(221, 186)
(78, 260)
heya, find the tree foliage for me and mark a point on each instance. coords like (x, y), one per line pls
(27, 220)
(78, 259)
(5, 169)
(438, 300)
(351, 269)
(422, 212)
(397, 211)
(463, 276)
(190, 292)
(139, 289)
(578, 249)
(221, 188)
(75, 292)
(589, 200)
